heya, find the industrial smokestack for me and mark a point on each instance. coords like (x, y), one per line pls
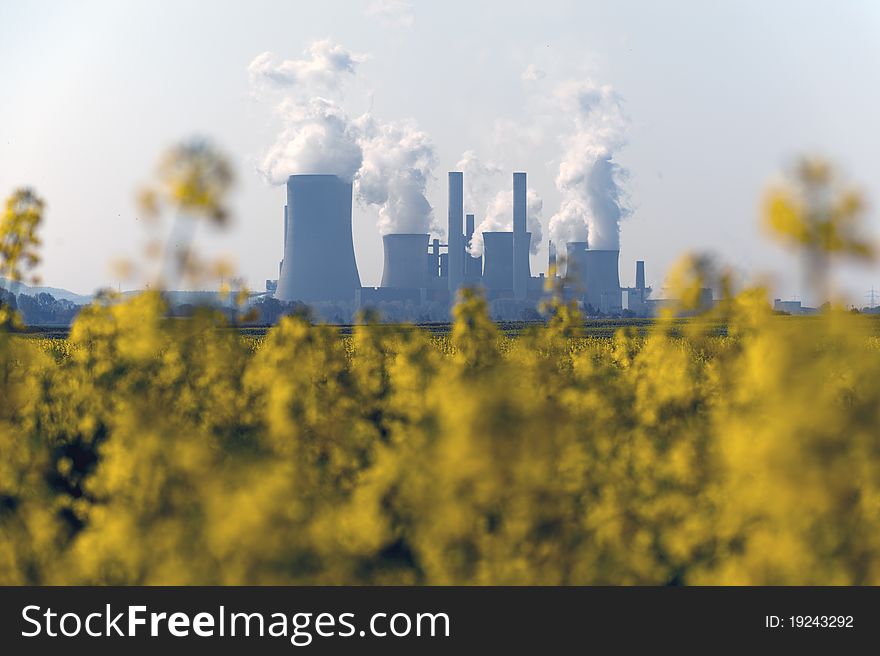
(498, 260)
(551, 259)
(454, 237)
(602, 280)
(469, 229)
(640, 274)
(319, 263)
(406, 266)
(520, 245)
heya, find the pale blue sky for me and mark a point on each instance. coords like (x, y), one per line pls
(720, 96)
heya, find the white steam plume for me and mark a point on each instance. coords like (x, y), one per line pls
(398, 158)
(499, 217)
(481, 179)
(324, 67)
(588, 178)
(390, 163)
(317, 138)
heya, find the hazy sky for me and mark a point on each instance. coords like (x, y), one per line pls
(717, 99)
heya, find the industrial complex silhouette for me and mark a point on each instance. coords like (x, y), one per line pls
(319, 264)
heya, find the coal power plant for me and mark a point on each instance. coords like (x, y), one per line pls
(419, 270)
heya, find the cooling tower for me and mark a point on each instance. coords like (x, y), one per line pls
(602, 280)
(575, 264)
(520, 254)
(319, 262)
(406, 263)
(498, 260)
(455, 238)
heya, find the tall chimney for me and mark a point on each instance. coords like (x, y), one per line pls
(469, 229)
(454, 236)
(520, 245)
(640, 274)
(551, 259)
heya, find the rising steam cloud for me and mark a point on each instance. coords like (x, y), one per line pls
(588, 178)
(397, 163)
(499, 217)
(317, 138)
(480, 180)
(324, 67)
(389, 162)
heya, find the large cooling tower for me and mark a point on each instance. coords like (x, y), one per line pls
(498, 260)
(602, 280)
(406, 263)
(319, 262)
(575, 264)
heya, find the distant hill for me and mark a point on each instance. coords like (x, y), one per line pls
(57, 292)
(174, 297)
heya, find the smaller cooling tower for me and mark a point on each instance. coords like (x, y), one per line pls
(575, 264)
(498, 260)
(406, 263)
(602, 280)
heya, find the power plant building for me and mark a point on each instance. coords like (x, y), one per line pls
(319, 263)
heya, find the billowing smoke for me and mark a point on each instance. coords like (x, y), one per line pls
(397, 163)
(499, 217)
(481, 182)
(588, 178)
(324, 67)
(317, 138)
(390, 163)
